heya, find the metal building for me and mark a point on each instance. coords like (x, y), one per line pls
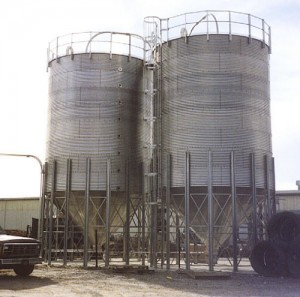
(164, 139)
(19, 213)
(288, 200)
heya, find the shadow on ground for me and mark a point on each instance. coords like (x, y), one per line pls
(10, 281)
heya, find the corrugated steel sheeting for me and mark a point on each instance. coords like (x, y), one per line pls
(216, 96)
(18, 213)
(95, 110)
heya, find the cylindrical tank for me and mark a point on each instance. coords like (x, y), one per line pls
(216, 97)
(213, 71)
(93, 112)
(96, 112)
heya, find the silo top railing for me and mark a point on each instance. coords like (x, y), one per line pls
(119, 43)
(207, 22)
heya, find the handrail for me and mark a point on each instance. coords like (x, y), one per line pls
(227, 22)
(206, 16)
(81, 42)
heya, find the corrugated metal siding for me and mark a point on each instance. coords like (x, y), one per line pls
(18, 213)
(288, 202)
(216, 96)
(95, 106)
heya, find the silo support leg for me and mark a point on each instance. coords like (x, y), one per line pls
(210, 215)
(86, 212)
(53, 188)
(187, 210)
(143, 215)
(254, 198)
(234, 214)
(107, 219)
(67, 198)
(267, 182)
(168, 198)
(127, 223)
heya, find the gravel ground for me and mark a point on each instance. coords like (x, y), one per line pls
(59, 281)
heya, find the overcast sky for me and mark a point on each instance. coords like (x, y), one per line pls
(26, 27)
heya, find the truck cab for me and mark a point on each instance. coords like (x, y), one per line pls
(19, 253)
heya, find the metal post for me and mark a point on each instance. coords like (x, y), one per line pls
(264, 33)
(86, 212)
(162, 225)
(127, 222)
(42, 204)
(267, 177)
(210, 214)
(53, 187)
(107, 221)
(67, 197)
(46, 228)
(143, 214)
(96, 247)
(273, 210)
(56, 49)
(254, 198)
(234, 214)
(230, 35)
(168, 198)
(187, 210)
(110, 50)
(270, 41)
(178, 241)
(249, 26)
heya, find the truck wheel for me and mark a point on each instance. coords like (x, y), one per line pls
(284, 228)
(268, 260)
(24, 270)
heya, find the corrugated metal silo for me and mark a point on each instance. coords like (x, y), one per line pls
(95, 111)
(215, 106)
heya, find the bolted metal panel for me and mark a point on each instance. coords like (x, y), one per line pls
(95, 105)
(216, 96)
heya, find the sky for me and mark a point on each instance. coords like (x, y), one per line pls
(27, 26)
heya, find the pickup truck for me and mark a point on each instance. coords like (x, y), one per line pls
(19, 253)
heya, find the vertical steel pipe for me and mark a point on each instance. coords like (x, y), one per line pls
(210, 214)
(53, 187)
(162, 239)
(127, 221)
(168, 198)
(267, 187)
(234, 213)
(187, 210)
(254, 198)
(178, 241)
(143, 213)
(67, 198)
(273, 210)
(107, 219)
(86, 212)
(42, 201)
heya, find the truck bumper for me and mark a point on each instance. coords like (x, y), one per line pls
(20, 261)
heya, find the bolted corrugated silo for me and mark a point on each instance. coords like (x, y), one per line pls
(96, 113)
(213, 68)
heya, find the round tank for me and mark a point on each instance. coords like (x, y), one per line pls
(216, 97)
(213, 69)
(95, 111)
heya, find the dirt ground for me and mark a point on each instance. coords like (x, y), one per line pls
(72, 280)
